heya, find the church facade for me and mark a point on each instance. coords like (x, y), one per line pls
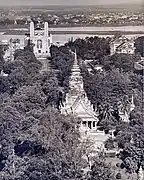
(41, 39)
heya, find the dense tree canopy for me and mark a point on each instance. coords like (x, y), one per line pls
(62, 60)
(124, 62)
(106, 89)
(90, 47)
(36, 141)
(139, 44)
(131, 140)
(101, 170)
(1, 58)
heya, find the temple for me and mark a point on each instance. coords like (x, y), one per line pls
(77, 102)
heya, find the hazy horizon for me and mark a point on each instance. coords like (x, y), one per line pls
(66, 2)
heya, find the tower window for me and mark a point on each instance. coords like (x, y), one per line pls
(48, 42)
(39, 51)
(46, 51)
(39, 44)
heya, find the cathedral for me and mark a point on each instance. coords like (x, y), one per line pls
(40, 38)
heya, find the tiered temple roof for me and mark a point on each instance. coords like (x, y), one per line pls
(76, 100)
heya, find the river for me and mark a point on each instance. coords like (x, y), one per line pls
(119, 28)
(92, 28)
(63, 38)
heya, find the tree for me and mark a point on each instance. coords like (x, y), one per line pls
(10, 66)
(90, 47)
(124, 62)
(107, 87)
(131, 140)
(62, 60)
(139, 44)
(100, 170)
(1, 59)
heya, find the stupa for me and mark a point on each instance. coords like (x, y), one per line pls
(77, 102)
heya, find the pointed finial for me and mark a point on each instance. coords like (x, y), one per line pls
(132, 106)
(75, 55)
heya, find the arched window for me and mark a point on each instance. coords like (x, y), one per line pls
(39, 44)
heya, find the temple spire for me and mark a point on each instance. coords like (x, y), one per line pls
(76, 81)
(75, 56)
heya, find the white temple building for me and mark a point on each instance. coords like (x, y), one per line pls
(77, 102)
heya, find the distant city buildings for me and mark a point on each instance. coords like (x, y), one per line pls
(70, 18)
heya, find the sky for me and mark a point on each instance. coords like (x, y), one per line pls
(65, 2)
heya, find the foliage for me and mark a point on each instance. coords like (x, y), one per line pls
(90, 47)
(131, 140)
(109, 144)
(106, 87)
(100, 170)
(1, 58)
(48, 84)
(20, 71)
(62, 60)
(139, 44)
(124, 62)
(36, 141)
